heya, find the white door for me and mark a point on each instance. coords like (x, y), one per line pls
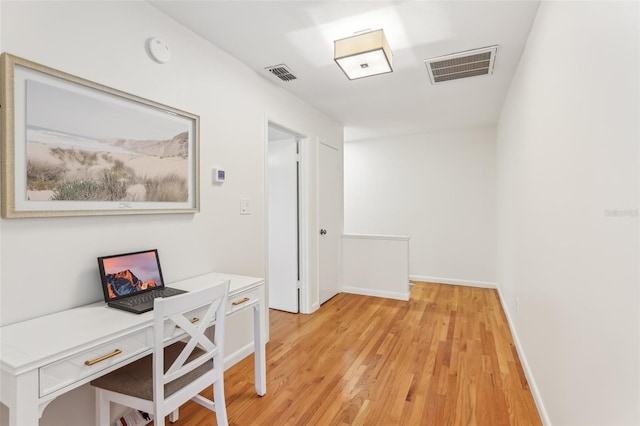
(330, 212)
(282, 194)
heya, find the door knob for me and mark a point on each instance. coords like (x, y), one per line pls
(323, 232)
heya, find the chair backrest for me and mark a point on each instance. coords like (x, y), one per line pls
(177, 312)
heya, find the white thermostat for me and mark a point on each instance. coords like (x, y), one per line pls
(218, 175)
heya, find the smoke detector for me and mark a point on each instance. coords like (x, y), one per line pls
(282, 72)
(465, 64)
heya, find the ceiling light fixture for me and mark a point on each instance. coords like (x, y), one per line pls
(364, 55)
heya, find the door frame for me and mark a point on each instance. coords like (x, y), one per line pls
(305, 305)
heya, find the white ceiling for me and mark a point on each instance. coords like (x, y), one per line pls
(300, 34)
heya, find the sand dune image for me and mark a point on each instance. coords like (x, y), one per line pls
(115, 170)
(80, 147)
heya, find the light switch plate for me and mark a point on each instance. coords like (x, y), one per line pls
(245, 206)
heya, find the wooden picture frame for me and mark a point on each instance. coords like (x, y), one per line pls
(72, 147)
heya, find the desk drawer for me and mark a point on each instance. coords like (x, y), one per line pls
(242, 300)
(73, 368)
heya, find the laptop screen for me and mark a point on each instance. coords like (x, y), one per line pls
(129, 273)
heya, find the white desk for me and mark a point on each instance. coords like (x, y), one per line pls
(45, 357)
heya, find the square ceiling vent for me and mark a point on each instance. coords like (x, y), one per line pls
(470, 63)
(282, 72)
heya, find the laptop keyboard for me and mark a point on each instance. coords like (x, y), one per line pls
(148, 296)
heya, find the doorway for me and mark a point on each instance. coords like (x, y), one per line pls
(283, 223)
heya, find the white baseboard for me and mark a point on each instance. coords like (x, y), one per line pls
(377, 293)
(234, 358)
(453, 281)
(544, 416)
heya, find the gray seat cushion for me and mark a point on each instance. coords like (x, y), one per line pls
(136, 379)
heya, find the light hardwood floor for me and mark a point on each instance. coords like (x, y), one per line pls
(446, 357)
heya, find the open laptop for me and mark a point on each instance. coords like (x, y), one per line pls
(131, 281)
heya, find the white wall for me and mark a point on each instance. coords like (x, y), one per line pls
(376, 265)
(51, 262)
(437, 188)
(567, 160)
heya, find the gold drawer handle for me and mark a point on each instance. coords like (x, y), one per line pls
(193, 321)
(103, 357)
(240, 302)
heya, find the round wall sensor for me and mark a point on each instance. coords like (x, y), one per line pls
(158, 50)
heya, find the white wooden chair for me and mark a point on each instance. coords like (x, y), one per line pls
(161, 382)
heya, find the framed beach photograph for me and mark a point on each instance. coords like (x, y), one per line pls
(72, 147)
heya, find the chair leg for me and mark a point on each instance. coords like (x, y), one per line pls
(174, 415)
(221, 406)
(103, 409)
(158, 418)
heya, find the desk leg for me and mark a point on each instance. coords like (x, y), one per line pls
(22, 415)
(23, 400)
(260, 357)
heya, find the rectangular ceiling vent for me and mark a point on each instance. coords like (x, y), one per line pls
(282, 72)
(470, 63)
